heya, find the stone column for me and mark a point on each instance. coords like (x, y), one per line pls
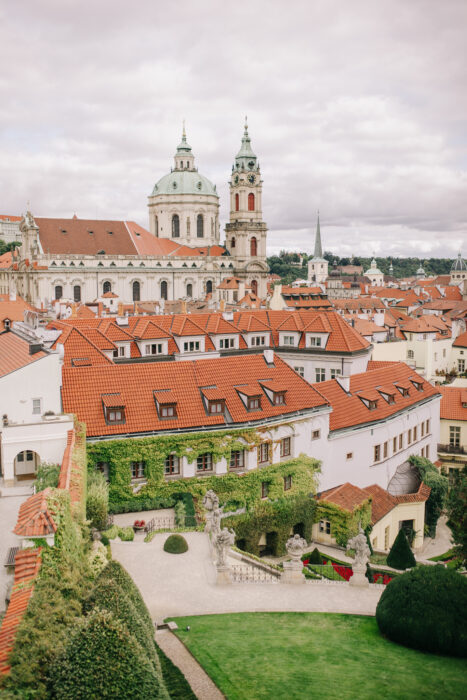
(293, 573)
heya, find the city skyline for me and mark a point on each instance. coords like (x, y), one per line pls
(358, 112)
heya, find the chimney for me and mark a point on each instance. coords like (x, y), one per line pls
(12, 296)
(379, 318)
(222, 305)
(120, 308)
(183, 306)
(268, 356)
(344, 382)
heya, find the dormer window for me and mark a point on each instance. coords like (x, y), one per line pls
(289, 340)
(216, 407)
(114, 409)
(315, 342)
(404, 390)
(372, 405)
(115, 415)
(279, 398)
(417, 385)
(254, 403)
(168, 410)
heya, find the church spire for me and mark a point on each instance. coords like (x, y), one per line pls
(318, 247)
(245, 158)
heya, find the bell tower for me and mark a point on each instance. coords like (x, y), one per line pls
(245, 234)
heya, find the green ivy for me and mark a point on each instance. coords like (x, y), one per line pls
(439, 485)
(344, 524)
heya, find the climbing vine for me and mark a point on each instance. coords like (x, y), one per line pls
(234, 490)
(343, 523)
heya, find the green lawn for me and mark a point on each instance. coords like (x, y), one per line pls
(315, 655)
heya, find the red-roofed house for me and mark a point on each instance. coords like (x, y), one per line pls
(452, 448)
(33, 429)
(379, 418)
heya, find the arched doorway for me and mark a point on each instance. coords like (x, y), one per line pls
(26, 463)
(164, 290)
(254, 287)
(253, 247)
(136, 291)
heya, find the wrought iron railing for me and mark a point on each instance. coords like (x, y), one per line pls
(453, 449)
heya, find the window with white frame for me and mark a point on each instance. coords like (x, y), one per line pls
(335, 373)
(263, 453)
(237, 459)
(258, 340)
(36, 407)
(460, 365)
(191, 346)
(454, 435)
(315, 342)
(153, 349)
(320, 374)
(289, 340)
(226, 343)
(300, 371)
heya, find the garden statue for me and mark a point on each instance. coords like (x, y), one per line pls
(224, 539)
(362, 556)
(210, 502)
(216, 516)
(293, 573)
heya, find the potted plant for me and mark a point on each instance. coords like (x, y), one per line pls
(139, 525)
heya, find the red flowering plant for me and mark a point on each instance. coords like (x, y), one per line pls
(139, 523)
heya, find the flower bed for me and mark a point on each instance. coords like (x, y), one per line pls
(344, 571)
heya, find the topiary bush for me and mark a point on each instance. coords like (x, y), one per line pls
(175, 544)
(180, 513)
(315, 557)
(400, 555)
(127, 534)
(97, 500)
(426, 608)
(114, 571)
(111, 533)
(102, 660)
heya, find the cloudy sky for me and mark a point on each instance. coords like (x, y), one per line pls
(357, 109)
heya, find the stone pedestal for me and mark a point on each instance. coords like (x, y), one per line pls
(292, 572)
(359, 578)
(223, 575)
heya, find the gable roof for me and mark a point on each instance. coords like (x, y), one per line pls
(348, 409)
(34, 517)
(83, 389)
(453, 399)
(15, 354)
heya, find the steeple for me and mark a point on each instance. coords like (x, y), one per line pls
(318, 247)
(184, 158)
(245, 158)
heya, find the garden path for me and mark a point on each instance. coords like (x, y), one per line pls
(201, 684)
(185, 584)
(441, 543)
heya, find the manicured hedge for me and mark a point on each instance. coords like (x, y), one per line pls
(102, 660)
(400, 555)
(426, 608)
(175, 544)
(138, 504)
(114, 571)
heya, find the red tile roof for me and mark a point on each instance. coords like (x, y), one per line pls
(346, 496)
(12, 310)
(34, 517)
(27, 565)
(14, 353)
(83, 389)
(461, 341)
(453, 399)
(349, 410)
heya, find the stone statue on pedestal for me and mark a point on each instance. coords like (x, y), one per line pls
(224, 539)
(362, 557)
(210, 502)
(293, 573)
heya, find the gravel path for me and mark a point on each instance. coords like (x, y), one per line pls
(201, 684)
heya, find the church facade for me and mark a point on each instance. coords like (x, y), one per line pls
(180, 256)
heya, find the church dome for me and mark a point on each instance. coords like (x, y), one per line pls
(184, 182)
(373, 269)
(459, 264)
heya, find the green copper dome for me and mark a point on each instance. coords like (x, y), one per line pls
(184, 182)
(458, 265)
(245, 158)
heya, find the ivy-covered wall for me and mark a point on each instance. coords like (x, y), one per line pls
(275, 519)
(343, 523)
(234, 490)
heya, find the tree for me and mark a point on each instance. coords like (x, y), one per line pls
(457, 513)
(400, 555)
(438, 484)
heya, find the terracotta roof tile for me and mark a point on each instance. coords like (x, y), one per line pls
(84, 387)
(453, 399)
(14, 353)
(34, 517)
(349, 409)
(346, 496)
(461, 341)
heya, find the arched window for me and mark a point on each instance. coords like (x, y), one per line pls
(77, 293)
(106, 287)
(58, 291)
(136, 291)
(156, 226)
(209, 287)
(175, 226)
(164, 290)
(232, 243)
(237, 202)
(200, 226)
(189, 290)
(254, 287)
(251, 202)
(253, 247)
